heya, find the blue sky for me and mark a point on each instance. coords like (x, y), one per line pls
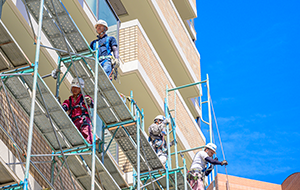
(250, 49)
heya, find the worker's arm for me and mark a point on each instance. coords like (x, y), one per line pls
(213, 161)
(65, 105)
(216, 161)
(115, 51)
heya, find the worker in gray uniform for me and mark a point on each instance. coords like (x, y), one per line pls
(157, 132)
(199, 168)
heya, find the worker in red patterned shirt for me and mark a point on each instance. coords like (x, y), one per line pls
(78, 111)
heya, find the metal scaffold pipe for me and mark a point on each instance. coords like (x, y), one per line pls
(95, 117)
(210, 124)
(31, 122)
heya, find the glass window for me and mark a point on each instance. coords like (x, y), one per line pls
(103, 11)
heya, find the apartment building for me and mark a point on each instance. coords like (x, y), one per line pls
(157, 51)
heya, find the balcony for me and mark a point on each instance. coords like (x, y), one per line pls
(143, 71)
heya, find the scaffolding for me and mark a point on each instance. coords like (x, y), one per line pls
(90, 165)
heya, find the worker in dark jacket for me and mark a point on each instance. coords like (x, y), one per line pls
(107, 46)
(77, 109)
(199, 169)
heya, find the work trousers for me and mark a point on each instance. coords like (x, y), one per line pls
(84, 126)
(106, 64)
(198, 184)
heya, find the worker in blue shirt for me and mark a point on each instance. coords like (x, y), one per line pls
(107, 46)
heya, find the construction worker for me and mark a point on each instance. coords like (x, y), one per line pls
(77, 109)
(199, 169)
(156, 137)
(107, 46)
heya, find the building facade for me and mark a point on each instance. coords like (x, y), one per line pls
(240, 183)
(157, 51)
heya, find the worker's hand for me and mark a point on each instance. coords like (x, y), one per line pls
(116, 63)
(167, 121)
(88, 100)
(224, 162)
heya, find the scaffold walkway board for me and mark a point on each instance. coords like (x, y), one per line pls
(114, 170)
(68, 135)
(11, 55)
(81, 169)
(146, 149)
(128, 147)
(53, 17)
(124, 136)
(110, 107)
(161, 183)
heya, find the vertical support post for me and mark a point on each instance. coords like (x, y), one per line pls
(131, 102)
(138, 150)
(31, 121)
(176, 155)
(95, 117)
(185, 174)
(143, 121)
(210, 123)
(168, 136)
(167, 176)
(52, 169)
(168, 131)
(58, 79)
(103, 140)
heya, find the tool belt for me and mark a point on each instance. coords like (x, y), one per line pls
(195, 175)
(103, 59)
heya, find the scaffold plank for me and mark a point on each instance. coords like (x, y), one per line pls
(69, 136)
(110, 108)
(11, 55)
(150, 155)
(57, 20)
(68, 133)
(114, 170)
(129, 148)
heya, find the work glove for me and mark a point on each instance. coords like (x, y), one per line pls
(164, 133)
(172, 142)
(88, 100)
(116, 63)
(224, 162)
(167, 121)
(55, 73)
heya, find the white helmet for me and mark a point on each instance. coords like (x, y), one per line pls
(160, 117)
(75, 83)
(102, 22)
(211, 146)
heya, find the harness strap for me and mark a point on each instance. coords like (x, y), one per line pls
(83, 109)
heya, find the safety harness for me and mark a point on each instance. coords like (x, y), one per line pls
(106, 43)
(81, 105)
(195, 174)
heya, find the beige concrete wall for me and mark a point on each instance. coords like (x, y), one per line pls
(181, 36)
(140, 50)
(39, 145)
